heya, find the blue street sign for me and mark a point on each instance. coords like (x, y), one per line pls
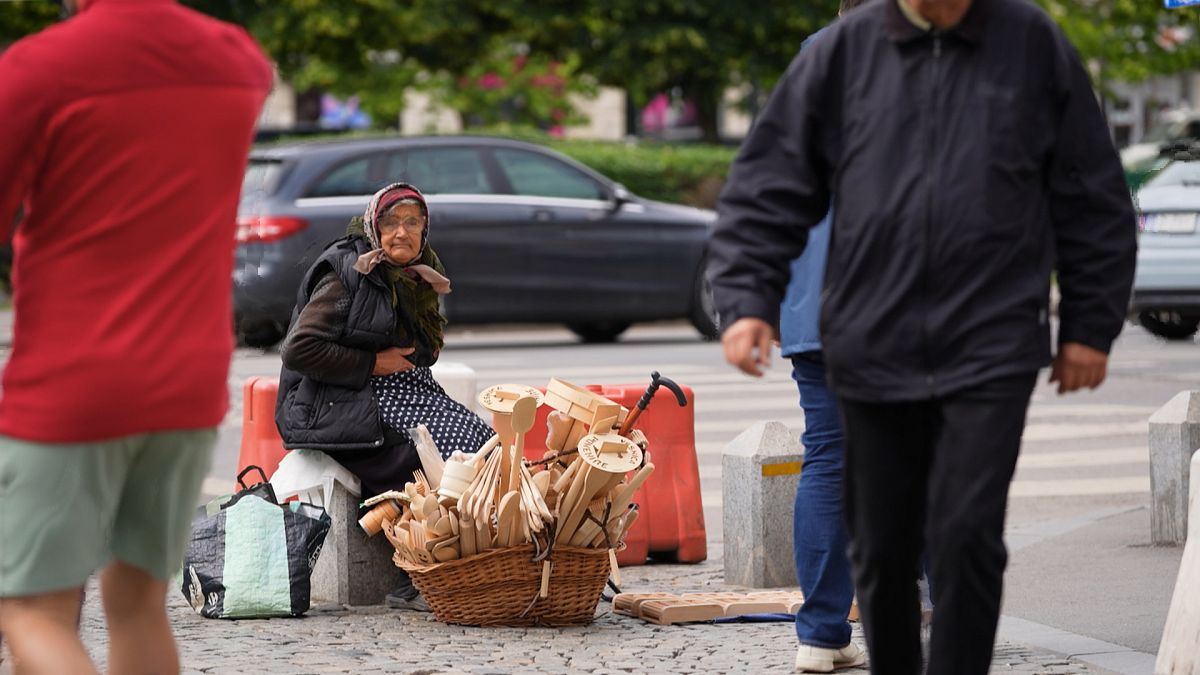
(1175, 4)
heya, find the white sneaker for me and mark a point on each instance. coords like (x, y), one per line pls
(811, 659)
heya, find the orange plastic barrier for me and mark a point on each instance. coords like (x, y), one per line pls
(261, 443)
(670, 522)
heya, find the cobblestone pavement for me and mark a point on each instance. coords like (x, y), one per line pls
(334, 639)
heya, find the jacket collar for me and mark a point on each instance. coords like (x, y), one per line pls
(899, 29)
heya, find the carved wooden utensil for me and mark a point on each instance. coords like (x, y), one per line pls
(523, 414)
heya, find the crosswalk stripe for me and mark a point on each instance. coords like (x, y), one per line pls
(1078, 487)
(1078, 458)
(1033, 432)
(1062, 432)
(745, 404)
(583, 375)
(708, 426)
(1046, 460)
(1089, 410)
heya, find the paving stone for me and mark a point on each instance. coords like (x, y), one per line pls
(370, 640)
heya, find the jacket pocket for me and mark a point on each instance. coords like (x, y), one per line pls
(304, 403)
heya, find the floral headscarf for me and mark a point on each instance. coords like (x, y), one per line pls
(380, 203)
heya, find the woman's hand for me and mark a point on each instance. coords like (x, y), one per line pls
(391, 360)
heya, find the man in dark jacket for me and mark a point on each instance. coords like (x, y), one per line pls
(968, 158)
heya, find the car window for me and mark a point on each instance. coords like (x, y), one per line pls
(537, 175)
(1177, 173)
(441, 170)
(261, 178)
(351, 178)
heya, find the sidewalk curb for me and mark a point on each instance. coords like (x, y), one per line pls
(1088, 650)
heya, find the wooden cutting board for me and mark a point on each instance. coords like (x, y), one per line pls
(670, 608)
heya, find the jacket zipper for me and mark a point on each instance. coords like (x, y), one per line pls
(932, 186)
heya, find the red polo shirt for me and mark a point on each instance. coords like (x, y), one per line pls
(125, 132)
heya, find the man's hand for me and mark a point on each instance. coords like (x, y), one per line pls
(747, 345)
(1078, 366)
(391, 360)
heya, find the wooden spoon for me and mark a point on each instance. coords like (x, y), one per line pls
(535, 496)
(593, 480)
(485, 495)
(541, 482)
(446, 554)
(506, 514)
(443, 527)
(523, 414)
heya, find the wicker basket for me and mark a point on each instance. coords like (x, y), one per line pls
(500, 587)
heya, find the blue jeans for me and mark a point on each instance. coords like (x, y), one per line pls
(820, 537)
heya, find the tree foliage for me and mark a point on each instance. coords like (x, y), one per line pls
(1130, 40)
(698, 48)
(24, 17)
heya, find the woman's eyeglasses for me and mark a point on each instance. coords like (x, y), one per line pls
(411, 225)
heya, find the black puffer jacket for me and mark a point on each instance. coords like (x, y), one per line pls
(965, 165)
(325, 399)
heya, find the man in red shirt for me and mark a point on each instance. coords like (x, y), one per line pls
(126, 132)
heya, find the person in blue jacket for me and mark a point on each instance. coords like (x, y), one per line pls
(819, 532)
(820, 538)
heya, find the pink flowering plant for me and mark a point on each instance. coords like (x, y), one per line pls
(517, 89)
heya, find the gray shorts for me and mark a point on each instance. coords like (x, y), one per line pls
(68, 509)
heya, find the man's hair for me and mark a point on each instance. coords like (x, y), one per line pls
(848, 5)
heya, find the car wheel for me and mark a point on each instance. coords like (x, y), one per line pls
(703, 313)
(598, 331)
(1169, 325)
(260, 335)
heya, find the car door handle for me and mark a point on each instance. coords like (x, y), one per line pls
(543, 215)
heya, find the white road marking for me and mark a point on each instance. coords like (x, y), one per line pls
(1062, 432)
(1077, 487)
(1080, 458)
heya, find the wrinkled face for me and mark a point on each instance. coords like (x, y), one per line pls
(400, 233)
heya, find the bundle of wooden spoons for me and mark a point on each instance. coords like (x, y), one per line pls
(579, 495)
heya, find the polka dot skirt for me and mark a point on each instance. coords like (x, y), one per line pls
(413, 397)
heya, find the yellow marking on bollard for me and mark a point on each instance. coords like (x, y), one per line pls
(781, 469)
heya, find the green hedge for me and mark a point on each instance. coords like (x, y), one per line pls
(688, 174)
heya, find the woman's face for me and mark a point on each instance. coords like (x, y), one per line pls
(400, 233)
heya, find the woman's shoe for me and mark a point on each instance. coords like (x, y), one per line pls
(406, 598)
(811, 659)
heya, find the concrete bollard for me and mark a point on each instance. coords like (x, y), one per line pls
(1177, 654)
(352, 568)
(1174, 435)
(458, 379)
(760, 472)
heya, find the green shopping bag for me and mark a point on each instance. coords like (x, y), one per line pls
(251, 557)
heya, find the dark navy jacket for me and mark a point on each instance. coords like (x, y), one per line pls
(966, 165)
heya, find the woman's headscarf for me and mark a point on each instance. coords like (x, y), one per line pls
(380, 203)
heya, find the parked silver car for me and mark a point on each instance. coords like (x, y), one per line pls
(1166, 290)
(526, 234)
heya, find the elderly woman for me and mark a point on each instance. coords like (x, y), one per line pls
(364, 333)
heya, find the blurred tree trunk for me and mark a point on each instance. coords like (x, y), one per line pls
(706, 97)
